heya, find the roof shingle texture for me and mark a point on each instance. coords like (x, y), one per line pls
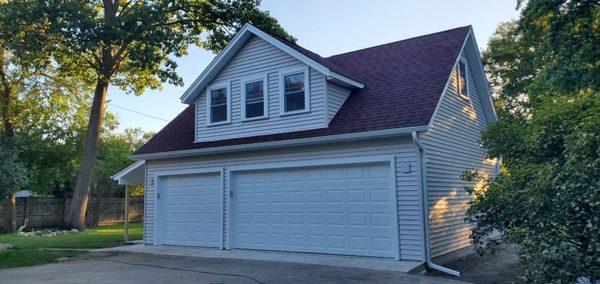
(403, 80)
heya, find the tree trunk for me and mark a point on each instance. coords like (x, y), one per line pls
(10, 213)
(9, 206)
(6, 96)
(76, 214)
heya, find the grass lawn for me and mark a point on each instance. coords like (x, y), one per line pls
(29, 251)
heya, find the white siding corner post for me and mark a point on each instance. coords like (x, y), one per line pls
(425, 209)
(223, 194)
(126, 217)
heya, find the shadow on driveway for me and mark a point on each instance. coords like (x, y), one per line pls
(137, 268)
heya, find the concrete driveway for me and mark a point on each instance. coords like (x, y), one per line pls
(138, 268)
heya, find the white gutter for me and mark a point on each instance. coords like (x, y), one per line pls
(284, 143)
(425, 203)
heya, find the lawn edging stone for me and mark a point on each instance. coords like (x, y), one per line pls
(48, 233)
(4, 246)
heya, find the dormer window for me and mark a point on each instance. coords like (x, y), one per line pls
(461, 75)
(294, 97)
(218, 101)
(254, 98)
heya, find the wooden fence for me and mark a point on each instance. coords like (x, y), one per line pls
(50, 212)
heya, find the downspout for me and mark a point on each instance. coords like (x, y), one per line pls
(425, 203)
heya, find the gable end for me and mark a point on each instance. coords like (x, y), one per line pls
(238, 42)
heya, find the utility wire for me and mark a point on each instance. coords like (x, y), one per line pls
(135, 111)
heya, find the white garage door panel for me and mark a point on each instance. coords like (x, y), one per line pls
(191, 206)
(342, 209)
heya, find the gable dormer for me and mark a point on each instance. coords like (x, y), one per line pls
(262, 90)
(259, 85)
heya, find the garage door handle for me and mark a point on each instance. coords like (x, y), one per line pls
(231, 193)
(158, 196)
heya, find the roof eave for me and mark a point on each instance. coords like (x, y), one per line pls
(365, 135)
(120, 175)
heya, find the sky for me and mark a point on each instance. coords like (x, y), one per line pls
(326, 27)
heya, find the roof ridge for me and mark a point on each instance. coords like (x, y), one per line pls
(398, 41)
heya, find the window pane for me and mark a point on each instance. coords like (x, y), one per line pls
(218, 113)
(294, 101)
(462, 79)
(294, 82)
(254, 91)
(254, 99)
(218, 105)
(218, 97)
(254, 110)
(294, 92)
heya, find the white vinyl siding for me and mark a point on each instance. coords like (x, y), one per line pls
(452, 146)
(403, 150)
(258, 57)
(336, 96)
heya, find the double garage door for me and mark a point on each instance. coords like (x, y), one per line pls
(338, 209)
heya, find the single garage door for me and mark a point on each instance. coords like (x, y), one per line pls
(342, 209)
(190, 210)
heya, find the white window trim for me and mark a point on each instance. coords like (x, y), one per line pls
(250, 79)
(208, 103)
(289, 71)
(463, 61)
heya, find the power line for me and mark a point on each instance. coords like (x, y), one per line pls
(135, 111)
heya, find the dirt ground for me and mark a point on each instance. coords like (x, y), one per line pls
(501, 267)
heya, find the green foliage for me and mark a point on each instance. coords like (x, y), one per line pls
(50, 130)
(552, 49)
(113, 156)
(132, 44)
(11, 258)
(13, 175)
(563, 37)
(545, 69)
(547, 201)
(43, 109)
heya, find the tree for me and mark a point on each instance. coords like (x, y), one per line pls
(113, 156)
(114, 150)
(131, 44)
(12, 178)
(545, 68)
(17, 70)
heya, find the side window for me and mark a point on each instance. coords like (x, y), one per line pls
(254, 98)
(462, 86)
(218, 101)
(294, 91)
